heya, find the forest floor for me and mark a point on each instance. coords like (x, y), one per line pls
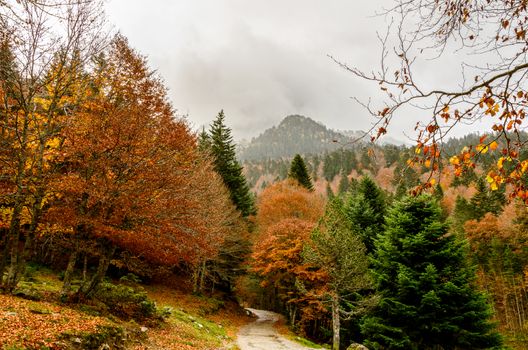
(193, 322)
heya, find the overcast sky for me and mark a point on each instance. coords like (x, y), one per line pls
(260, 60)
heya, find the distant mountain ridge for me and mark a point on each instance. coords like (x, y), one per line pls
(295, 134)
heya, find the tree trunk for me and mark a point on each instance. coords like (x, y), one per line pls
(26, 253)
(85, 268)
(9, 284)
(23, 257)
(5, 256)
(87, 289)
(198, 277)
(20, 197)
(335, 322)
(68, 274)
(202, 276)
(293, 314)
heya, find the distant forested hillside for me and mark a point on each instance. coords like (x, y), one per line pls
(335, 169)
(295, 134)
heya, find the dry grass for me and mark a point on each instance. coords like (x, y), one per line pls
(196, 322)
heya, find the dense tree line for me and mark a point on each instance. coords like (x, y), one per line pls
(96, 166)
(392, 272)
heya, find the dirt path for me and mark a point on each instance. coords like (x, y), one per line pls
(260, 335)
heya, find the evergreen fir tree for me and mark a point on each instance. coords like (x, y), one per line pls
(486, 201)
(405, 178)
(366, 210)
(467, 177)
(344, 184)
(329, 193)
(204, 141)
(463, 210)
(428, 300)
(299, 172)
(438, 192)
(483, 201)
(225, 163)
(401, 190)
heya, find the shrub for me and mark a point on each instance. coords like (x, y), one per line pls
(126, 302)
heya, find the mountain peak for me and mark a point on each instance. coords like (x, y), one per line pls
(295, 119)
(294, 134)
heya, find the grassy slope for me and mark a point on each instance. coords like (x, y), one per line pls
(195, 322)
(285, 331)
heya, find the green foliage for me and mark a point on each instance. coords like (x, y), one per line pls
(227, 266)
(222, 148)
(329, 193)
(344, 185)
(126, 302)
(204, 141)
(466, 178)
(487, 201)
(391, 154)
(130, 278)
(405, 177)
(332, 164)
(365, 209)
(309, 344)
(338, 249)
(428, 300)
(299, 173)
(484, 201)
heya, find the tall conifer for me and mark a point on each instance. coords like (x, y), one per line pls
(299, 172)
(428, 300)
(366, 210)
(225, 163)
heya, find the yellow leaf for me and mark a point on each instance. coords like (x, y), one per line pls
(524, 166)
(493, 146)
(499, 162)
(53, 143)
(454, 160)
(482, 149)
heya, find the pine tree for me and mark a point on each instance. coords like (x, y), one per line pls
(486, 201)
(222, 149)
(204, 141)
(483, 201)
(299, 172)
(344, 184)
(428, 300)
(438, 192)
(366, 210)
(329, 193)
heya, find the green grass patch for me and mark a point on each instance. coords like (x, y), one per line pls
(309, 343)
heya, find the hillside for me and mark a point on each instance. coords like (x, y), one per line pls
(295, 134)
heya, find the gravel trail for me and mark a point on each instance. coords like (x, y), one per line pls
(260, 334)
